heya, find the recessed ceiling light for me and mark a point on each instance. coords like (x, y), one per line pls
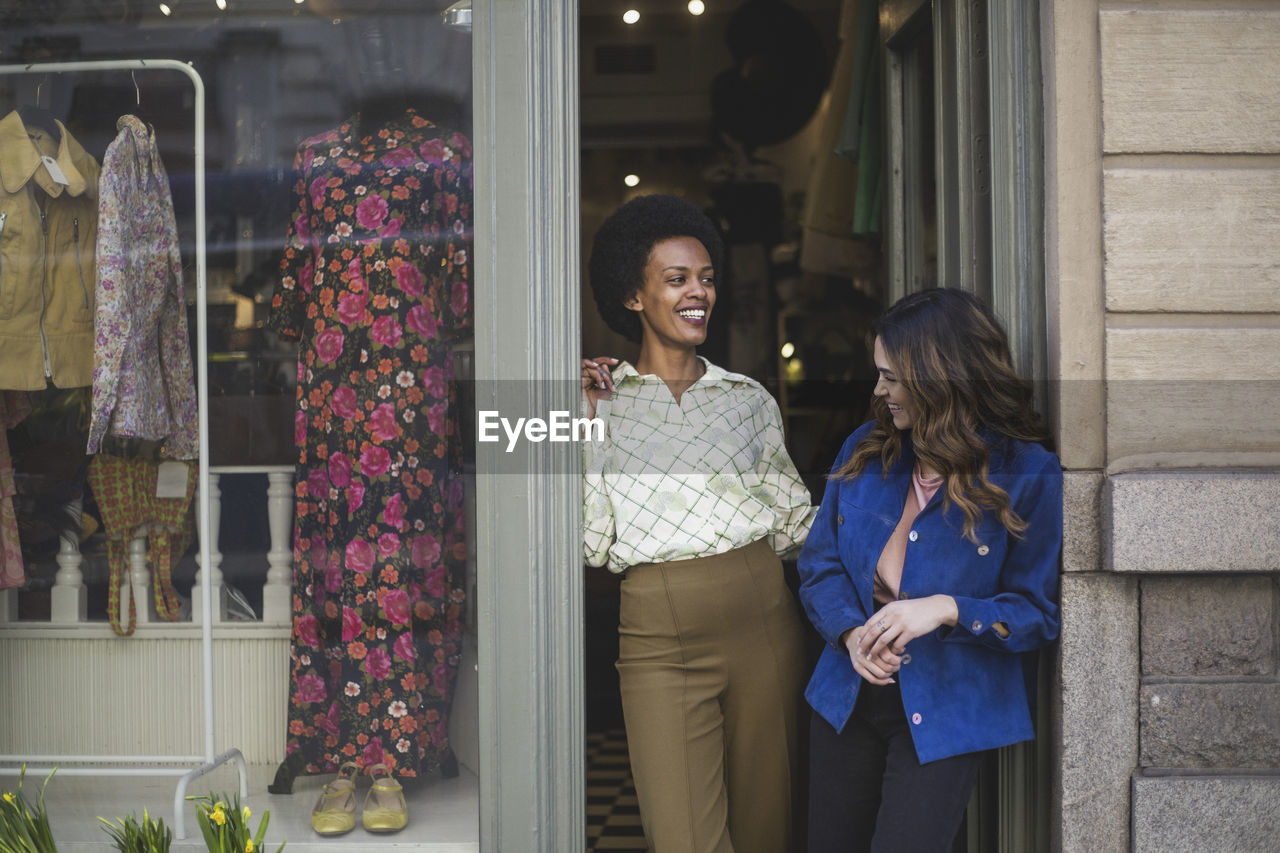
(221, 4)
(165, 10)
(697, 7)
(630, 16)
(631, 180)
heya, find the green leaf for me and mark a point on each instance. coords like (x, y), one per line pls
(206, 829)
(262, 830)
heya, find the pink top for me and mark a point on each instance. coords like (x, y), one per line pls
(889, 566)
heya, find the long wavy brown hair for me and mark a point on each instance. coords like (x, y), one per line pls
(951, 355)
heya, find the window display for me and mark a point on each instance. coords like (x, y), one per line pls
(337, 225)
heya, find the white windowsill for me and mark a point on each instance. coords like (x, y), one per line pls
(151, 631)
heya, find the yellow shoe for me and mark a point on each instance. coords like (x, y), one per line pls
(384, 809)
(335, 811)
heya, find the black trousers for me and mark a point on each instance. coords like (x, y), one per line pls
(869, 794)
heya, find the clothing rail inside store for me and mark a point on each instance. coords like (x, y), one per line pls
(130, 764)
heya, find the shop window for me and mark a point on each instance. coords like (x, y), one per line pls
(320, 276)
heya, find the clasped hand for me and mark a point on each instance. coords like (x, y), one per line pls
(876, 648)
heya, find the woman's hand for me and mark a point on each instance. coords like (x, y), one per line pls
(877, 669)
(597, 382)
(900, 622)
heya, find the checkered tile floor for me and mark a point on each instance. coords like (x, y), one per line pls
(613, 817)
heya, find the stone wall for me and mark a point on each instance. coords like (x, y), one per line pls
(1204, 550)
(1162, 260)
(1209, 721)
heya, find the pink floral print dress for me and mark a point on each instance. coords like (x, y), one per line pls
(374, 281)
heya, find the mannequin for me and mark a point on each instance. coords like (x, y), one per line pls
(375, 282)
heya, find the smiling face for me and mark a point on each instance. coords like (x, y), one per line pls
(892, 391)
(674, 303)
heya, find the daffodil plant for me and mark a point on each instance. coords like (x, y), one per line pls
(24, 829)
(131, 836)
(224, 823)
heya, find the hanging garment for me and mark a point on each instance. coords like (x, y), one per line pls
(841, 216)
(375, 279)
(14, 406)
(142, 378)
(48, 226)
(860, 132)
(125, 490)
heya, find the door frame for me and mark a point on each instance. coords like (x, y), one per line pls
(989, 171)
(529, 503)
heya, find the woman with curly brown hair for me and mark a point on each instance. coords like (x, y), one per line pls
(932, 572)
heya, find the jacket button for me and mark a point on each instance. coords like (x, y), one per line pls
(916, 719)
(976, 626)
(906, 659)
(983, 550)
(913, 536)
(840, 519)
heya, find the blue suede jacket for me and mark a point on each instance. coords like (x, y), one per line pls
(963, 688)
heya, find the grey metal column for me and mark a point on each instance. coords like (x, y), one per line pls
(528, 333)
(1017, 181)
(1018, 297)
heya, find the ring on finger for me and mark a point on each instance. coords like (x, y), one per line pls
(882, 625)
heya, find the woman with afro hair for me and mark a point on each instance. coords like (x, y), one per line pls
(692, 496)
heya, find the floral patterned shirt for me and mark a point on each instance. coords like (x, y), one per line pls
(142, 377)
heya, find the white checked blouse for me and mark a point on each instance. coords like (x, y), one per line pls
(674, 481)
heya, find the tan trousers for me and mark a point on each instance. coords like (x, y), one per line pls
(711, 668)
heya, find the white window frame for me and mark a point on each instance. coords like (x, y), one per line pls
(527, 334)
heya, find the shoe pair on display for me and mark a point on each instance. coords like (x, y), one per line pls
(384, 807)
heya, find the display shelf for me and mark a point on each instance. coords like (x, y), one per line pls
(443, 813)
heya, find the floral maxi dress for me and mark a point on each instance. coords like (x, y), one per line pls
(374, 281)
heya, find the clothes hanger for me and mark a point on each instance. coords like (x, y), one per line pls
(36, 116)
(137, 110)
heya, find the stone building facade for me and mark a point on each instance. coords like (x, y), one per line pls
(1162, 213)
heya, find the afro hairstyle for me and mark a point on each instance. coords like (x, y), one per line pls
(621, 250)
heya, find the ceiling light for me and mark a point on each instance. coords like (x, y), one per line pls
(631, 180)
(165, 10)
(221, 4)
(697, 7)
(788, 349)
(630, 16)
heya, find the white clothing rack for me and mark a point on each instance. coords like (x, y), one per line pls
(209, 759)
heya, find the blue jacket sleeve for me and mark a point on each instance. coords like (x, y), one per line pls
(1027, 603)
(826, 589)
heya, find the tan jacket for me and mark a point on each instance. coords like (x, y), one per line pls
(48, 231)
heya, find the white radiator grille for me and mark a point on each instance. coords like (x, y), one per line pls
(141, 696)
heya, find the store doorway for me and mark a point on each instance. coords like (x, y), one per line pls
(727, 106)
(905, 172)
